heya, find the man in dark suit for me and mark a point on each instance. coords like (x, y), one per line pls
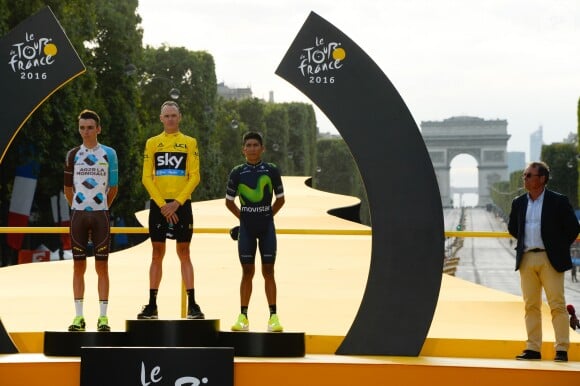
(544, 224)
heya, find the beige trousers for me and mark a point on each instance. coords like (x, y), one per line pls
(537, 272)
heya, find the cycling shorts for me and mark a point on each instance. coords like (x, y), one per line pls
(160, 230)
(252, 238)
(90, 225)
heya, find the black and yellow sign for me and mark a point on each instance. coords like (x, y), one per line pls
(405, 204)
(37, 59)
(157, 366)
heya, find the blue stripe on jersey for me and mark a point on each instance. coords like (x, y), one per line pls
(113, 166)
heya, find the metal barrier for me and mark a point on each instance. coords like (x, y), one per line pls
(138, 230)
(293, 231)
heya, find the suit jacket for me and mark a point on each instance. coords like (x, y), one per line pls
(559, 228)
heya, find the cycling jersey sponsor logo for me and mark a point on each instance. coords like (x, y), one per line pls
(255, 209)
(180, 146)
(99, 172)
(256, 194)
(91, 159)
(170, 164)
(89, 183)
(99, 198)
(79, 198)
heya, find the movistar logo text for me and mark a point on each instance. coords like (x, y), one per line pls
(256, 194)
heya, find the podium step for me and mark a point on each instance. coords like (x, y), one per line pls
(336, 370)
(64, 343)
(178, 333)
(264, 344)
(173, 333)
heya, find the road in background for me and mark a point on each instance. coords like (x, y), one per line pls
(490, 261)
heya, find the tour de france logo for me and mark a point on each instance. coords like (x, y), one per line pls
(319, 63)
(31, 57)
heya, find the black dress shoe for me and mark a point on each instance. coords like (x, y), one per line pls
(531, 355)
(561, 356)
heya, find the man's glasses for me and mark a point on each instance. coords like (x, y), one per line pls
(529, 175)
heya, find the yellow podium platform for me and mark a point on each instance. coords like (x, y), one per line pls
(475, 334)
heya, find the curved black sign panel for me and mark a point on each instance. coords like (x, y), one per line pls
(407, 218)
(37, 59)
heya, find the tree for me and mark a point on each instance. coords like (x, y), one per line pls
(301, 139)
(561, 157)
(51, 129)
(193, 73)
(126, 84)
(503, 193)
(276, 135)
(337, 172)
(117, 42)
(105, 34)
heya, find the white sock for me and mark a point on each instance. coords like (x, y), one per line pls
(103, 307)
(79, 307)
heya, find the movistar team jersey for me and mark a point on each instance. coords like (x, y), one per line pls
(91, 172)
(255, 185)
(170, 167)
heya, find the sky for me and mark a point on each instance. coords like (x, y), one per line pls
(517, 60)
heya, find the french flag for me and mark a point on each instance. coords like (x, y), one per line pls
(21, 201)
(61, 216)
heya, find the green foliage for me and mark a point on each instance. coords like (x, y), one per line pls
(337, 172)
(193, 74)
(51, 130)
(301, 139)
(277, 133)
(4, 16)
(289, 131)
(117, 42)
(504, 192)
(126, 84)
(561, 157)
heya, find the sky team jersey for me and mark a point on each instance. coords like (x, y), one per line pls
(170, 167)
(91, 172)
(255, 185)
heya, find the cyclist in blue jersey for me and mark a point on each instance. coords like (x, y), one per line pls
(90, 186)
(256, 183)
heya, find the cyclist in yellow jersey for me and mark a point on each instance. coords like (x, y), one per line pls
(170, 175)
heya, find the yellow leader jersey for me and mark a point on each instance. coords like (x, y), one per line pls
(170, 167)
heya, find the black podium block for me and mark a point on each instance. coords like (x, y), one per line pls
(173, 333)
(63, 343)
(7, 346)
(264, 344)
(122, 366)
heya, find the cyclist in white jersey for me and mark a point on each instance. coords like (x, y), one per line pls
(90, 186)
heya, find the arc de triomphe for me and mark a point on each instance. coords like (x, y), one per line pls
(484, 140)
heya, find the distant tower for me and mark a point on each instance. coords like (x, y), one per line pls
(271, 98)
(536, 140)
